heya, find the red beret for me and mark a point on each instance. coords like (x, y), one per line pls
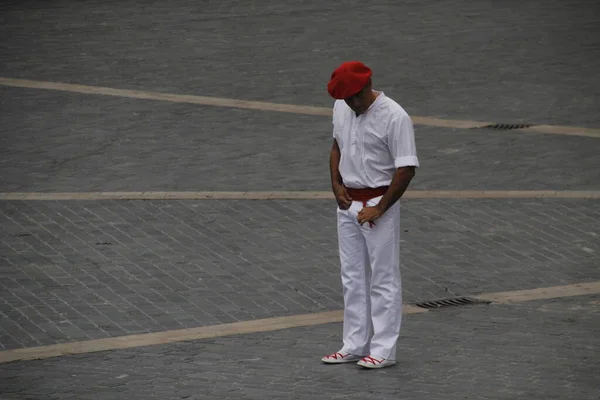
(348, 79)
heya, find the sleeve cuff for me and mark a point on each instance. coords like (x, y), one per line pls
(409, 161)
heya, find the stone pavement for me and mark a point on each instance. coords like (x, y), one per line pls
(77, 270)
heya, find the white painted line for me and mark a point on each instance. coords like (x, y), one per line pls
(170, 97)
(578, 289)
(448, 123)
(266, 106)
(302, 195)
(563, 130)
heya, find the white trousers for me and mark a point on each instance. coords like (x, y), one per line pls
(370, 268)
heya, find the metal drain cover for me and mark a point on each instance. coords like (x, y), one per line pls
(506, 127)
(456, 301)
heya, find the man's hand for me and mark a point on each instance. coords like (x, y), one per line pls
(369, 214)
(342, 197)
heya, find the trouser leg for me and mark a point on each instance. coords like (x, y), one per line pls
(383, 244)
(356, 275)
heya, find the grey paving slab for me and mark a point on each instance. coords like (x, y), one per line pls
(515, 61)
(71, 142)
(536, 350)
(90, 269)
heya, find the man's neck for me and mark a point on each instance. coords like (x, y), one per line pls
(372, 97)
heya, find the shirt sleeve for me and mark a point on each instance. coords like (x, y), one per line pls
(401, 142)
(333, 119)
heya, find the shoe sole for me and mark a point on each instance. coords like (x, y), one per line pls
(371, 366)
(339, 361)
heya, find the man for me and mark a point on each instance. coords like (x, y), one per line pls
(373, 160)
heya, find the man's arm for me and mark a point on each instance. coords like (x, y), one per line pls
(334, 163)
(400, 182)
(337, 184)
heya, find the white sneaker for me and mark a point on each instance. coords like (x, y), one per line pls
(372, 362)
(340, 358)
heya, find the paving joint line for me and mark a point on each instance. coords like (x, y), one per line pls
(299, 195)
(268, 325)
(266, 106)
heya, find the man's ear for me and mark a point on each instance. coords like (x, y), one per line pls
(366, 89)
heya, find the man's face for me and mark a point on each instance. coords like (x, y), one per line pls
(359, 103)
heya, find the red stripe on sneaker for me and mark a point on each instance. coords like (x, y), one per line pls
(372, 360)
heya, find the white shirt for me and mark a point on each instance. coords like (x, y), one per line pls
(374, 144)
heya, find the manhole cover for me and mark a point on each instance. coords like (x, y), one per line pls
(506, 127)
(456, 301)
